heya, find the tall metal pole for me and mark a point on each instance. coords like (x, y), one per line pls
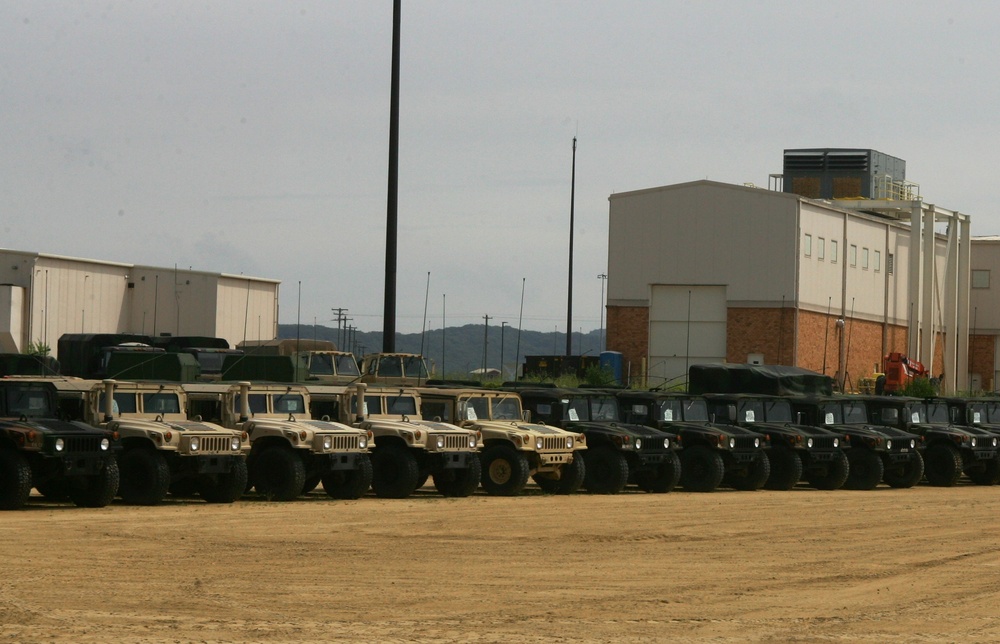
(389, 311)
(569, 287)
(503, 327)
(600, 338)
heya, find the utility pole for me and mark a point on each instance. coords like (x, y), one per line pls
(569, 288)
(340, 319)
(503, 327)
(486, 342)
(392, 205)
(600, 338)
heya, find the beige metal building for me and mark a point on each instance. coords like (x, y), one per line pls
(984, 300)
(44, 296)
(712, 272)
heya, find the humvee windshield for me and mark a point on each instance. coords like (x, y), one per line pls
(506, 408)
(124, 403)
(347, 366)
(778, 411)
(289, 404)
(413, 367)
(27, 399)
(689, 409)
(750, 411)
(938, 413)
(258, 403)
(161, 403)
(855, 413)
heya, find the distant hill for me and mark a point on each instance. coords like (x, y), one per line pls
(463, 345)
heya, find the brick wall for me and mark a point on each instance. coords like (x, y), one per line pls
(758, 330)
(982, 348)
(628, 333)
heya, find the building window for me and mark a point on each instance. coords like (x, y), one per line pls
(878, 261)
(890, 260)
(852, 255)
(864, 259)
(808, 245)
(980, 279)
(833, 251)
(820, 248)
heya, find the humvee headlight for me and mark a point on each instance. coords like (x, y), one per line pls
(836, 442)
(756, 442)
(327, 442)
(569, 442)
(732, 443)
(440, 442)
(638, 443)
(195, 444)
(973, 442)
(888, 444)
(234, 443)
(994, 442)
(60, 444)
(363, 442)
(666, 443)
(809, 443)
(913, 443)
(539, 443)
(472, 441)
(105, 444)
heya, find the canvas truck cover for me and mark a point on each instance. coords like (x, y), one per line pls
(775, 380)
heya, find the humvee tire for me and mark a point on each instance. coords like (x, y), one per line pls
(396, 472)
(753, 477)
(279, 474)
(988, 474)
(145, 477)
(905, 475)
(942, 465)
(570, 481)
(96, 491)
(607, 471)
(786, 468)
(702, 469)
(866, 470)
(505, 470)
(459, 482)
(311, 484)
(835, 476)
(663, 479)
(15, 480)
(349, 484)
(225, 488)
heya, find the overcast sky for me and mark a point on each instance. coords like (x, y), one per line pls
(252, 137)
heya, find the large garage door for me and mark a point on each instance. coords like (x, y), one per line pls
(687, 325)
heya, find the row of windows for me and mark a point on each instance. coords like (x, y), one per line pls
(868, 259)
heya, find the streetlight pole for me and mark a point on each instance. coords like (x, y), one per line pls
(503, 327)
(569, 288)
(600, 338)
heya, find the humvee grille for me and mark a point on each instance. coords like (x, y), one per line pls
(823, 442)
(349, 442)
(454, 441)
(554, 443)
(215, 444)
(82, 444)
(744, 442)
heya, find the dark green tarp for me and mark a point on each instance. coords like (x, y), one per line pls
(775, 380)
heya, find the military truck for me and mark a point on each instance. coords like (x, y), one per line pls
(162, 451)
(60, 458)
(290, 453)
(878, 453)
(713, 454)
(618, 453)
(949, 450)
(513, 449)
(794, 450)
(408, 449)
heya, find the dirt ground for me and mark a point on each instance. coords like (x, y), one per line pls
(886, 565)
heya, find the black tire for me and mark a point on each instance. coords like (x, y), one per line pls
(942, 465)
(786, 468)
(504, 470)
(570, 479)
(752, 477)
(349, 484)
(395, 472)
(987, 473)
(279, 474)
(607, 471)
(663, 478)
(312, 482)
(145, 476)
(866, 470)
(15, 480)
(835, 474)
(228, 487)
(96, 491)
(907, 474)
(459, 482)
(702, 469)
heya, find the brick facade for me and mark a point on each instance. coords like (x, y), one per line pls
(769, 332)
(628, 333)
(982, 349)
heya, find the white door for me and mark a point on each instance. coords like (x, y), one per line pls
(687, 325)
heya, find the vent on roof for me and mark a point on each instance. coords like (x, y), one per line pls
(841, 173)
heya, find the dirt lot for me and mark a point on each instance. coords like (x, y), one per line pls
(887, 565)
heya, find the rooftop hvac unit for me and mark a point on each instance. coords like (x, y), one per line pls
(843, 173)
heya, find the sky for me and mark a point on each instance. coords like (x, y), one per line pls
(252, 137)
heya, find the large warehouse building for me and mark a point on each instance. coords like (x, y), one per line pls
(44, 296)
(837, 264)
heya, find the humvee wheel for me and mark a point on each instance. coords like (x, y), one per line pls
(15, 480)
(505, 470)
(349, 484)
(145, 476)
(987, 474)
(571, 479)
(866, 470)
(279, 474)
(663, 479)
(786, 468)
(225, 488)
(459, 482)
(904, 475)
(607, 471)
(702, 469)
(311, 484)
(753, 477)
(942, 465)
(835, 476)
(395, 472)
(96, 491)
